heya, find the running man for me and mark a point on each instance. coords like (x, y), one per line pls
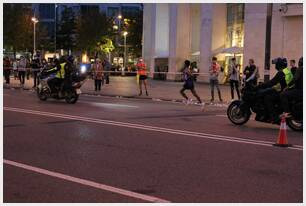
(189, 84)
(142, 72)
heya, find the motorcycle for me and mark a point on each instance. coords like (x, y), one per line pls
(69, 93)
(239, 111)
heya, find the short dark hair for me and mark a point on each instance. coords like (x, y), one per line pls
(214, 58)
(233, 59)
(292, 60)
(187, 63)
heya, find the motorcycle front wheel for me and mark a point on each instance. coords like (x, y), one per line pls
(72, 97)
(41, 95)
(236, 115)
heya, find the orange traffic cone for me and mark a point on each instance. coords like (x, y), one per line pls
(282, 140)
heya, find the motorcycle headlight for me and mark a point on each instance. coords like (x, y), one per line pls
(83, 69)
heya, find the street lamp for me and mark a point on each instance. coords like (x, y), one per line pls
(125, 33)
(55, 19)
(35, 20)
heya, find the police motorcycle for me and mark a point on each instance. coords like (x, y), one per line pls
(240, 111)
(69, 93)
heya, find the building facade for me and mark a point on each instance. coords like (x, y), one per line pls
(173, 33)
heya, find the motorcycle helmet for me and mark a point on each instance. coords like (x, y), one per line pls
(280, 63)
(70, 59)
(301, 62)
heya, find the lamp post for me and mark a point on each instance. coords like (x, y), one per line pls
(35, 20)
(125, 33)
(55, 19)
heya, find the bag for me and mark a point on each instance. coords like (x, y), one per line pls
(257, 73)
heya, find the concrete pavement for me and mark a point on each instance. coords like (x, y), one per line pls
(127, 87)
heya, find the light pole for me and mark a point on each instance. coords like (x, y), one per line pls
(35, 20)
(55, 28)
(125, 33)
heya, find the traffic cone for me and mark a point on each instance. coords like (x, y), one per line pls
(282, 140)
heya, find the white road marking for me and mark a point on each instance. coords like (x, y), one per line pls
(86, 182)
(99, 104)
(150, 128)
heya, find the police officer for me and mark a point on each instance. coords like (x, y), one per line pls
(275, 86)
(294, 89)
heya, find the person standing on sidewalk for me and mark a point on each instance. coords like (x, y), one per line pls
(213, 79)
(15, 69)
(22, 70)
(142, 72)
(107, 68)
(251, 73)
(293, 68)
(35, 69)
(188, 77)
(6, 69)
(234, 77)
(98, 74)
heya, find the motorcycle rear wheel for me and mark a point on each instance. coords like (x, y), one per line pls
(236, 115)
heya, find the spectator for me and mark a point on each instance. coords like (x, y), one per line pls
(251, 73)
(142, 72)
(35, 69)
(293, 67)
(213, 78)
(195, 70)
(15, 69)
(98, 74)
(22, 70)
(6, 69)
(107, 68)
(28, 69)
(234, 77)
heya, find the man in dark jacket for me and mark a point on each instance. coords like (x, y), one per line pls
(296, 92)
(271, 89)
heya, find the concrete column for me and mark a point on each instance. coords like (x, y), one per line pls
(149, 30)
(255, 35)
(179, 38)
(206, 38)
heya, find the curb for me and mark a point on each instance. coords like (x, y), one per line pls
(219, 104)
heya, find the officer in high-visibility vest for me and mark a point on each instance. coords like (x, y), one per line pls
(59, 76)
(272, 89)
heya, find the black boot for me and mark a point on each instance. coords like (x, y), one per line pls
(212, 96)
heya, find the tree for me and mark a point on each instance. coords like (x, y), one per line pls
(135, 34)
(66, 35)
(90, 27)
(17, 27)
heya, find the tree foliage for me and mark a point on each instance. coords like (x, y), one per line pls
(91, 26)
(66, 35)
(17, 27)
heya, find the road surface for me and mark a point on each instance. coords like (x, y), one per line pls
(105, 149)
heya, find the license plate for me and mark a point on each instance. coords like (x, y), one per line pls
(78, 91)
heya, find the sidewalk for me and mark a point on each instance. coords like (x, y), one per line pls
(127, 87)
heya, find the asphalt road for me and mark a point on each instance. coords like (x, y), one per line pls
(106, 149)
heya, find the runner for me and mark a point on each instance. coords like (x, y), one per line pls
(189, 84)
(142, 72)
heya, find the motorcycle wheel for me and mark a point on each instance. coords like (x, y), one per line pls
(296, 125)
(72, 98)
(235, 115)
(41, 95)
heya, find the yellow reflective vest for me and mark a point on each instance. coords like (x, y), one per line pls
(61, 73)
(288, 79)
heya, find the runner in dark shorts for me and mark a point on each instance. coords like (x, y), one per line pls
(189, 84)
